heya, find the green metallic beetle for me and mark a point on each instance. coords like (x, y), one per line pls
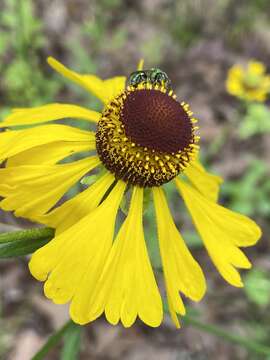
(154, 76)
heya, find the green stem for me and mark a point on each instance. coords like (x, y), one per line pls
(29, 234)
(53, 340)
(212, 329)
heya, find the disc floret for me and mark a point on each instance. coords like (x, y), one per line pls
(145, 137)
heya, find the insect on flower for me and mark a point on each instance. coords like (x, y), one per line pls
(153, 76)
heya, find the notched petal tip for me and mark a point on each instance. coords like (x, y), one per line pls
(223, 232)
(181, 271)
(36, 268)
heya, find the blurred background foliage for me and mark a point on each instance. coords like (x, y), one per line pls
(196, 42)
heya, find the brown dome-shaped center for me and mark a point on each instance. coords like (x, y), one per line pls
(155, 120)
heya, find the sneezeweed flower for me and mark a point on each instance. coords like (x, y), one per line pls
(249, 83)
(144, 139)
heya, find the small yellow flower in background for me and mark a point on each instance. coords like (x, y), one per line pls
(144, 139)
(250, 83)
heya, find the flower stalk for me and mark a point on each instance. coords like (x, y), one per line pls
(29, 234)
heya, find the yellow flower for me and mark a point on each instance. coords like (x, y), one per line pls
(250, 84)
(144, 138)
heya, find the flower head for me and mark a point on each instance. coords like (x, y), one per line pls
(140, 138)
(250, 83)
(144, 138)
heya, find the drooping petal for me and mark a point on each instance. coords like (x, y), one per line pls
(68, 257)
(51, 112)
(127, 287)
(32, 190)
(206, 183)
(182, 273)
(15, 142)
(50, 155)
(78, 207)
(223, 232)
(105, 90)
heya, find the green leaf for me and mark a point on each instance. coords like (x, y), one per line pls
(21, 247)
(72, 341)
(53, 340)
(19, 243)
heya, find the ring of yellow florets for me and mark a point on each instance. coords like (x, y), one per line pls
(145, 137)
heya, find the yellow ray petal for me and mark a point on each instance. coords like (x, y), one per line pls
(15, 142)
(76, 208)
(33, 190)
(83, 246)
(222, 232)
(140, 64)
(50, 155)
(206, 183)
(182, 273)
(47, 113)
(127, 287)
(105, 90)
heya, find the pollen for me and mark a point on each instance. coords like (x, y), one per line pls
(145, 136)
